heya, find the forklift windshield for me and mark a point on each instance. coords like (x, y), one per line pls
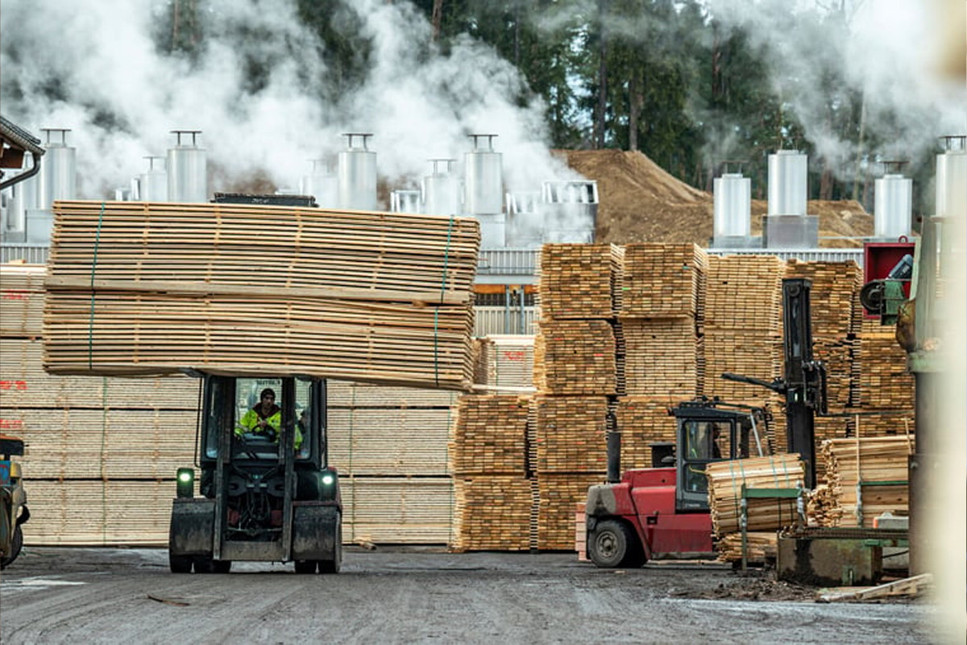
(258, 412)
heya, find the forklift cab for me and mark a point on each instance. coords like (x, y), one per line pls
(708, 432)
(267, 494)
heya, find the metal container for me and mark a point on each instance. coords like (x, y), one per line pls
(153, 183)
(525, 219)
(357, 174)
(441, 189)
(58, 170)
(952, 183)
(322, 183)
(787, 183)
(406, 201)
(187, 169)
(570, 211)
(483, 177)
(893, 209)
(732, 216)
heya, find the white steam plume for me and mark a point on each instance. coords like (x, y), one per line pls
(92, 66)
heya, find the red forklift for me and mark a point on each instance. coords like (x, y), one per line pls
(664, 509)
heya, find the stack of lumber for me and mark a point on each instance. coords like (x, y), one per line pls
(492, 513)
(884, 382)
(822, 509)
(867, 459)
(570, 434)
(396, 510)
(725, 481)
(394, 305)
(580, 281)
(835, 295)
(488, 457)
(101, 453)
(760, 547)
(663, 280)
(662, 357)
(642, 422)
(575, 357)
(558, 495)
(507, 360)
(743, 324)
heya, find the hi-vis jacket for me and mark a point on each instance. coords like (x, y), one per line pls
(250, 422)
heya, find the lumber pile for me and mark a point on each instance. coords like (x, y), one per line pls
(575, 357)
(725, 482)
(558, 495)
(570, 434)
(580, 281)
(870, 460)
(743, 326)
(884, 382)
(492, 513)
(506, 360)
(396, 510)
(663, 281)
(760, 547)
(380, 297)
(642, 422)
(662, 357)
(22, 300)
(488, 435)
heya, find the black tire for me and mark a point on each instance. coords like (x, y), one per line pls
(179, 563)
(221, 566)
(204, 564)
(15, 546)
(333, 566)
(612, 544)
(305, 566)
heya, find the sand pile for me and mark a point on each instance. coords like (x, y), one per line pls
(640, 202)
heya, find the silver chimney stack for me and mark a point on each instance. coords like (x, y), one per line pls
(441, 189)
(153, 183)
(787, 224)
(187, 169)
(570, 211)
(893, 206)
(357, 174)
(322, 183)
(952, 178)
(57, 180)
(731, 221)
(484, 194)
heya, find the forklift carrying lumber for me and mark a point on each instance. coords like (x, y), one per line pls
(665, 509)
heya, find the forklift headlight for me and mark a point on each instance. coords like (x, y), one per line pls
(186, 482)
(328, 479)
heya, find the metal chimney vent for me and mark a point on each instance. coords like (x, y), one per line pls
(406, 201)
(787, 183)
(322, 183)
(731, 222)
(153, 183)
(441, 189)
(893, 206)
(952, 178)
(187, 169)
(58, 172)
(357, 173)
(483, 177)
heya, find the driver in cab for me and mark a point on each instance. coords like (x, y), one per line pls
(264, 419)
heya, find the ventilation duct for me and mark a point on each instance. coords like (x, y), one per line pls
(571, 211)
(483, 186)
(787, 225)
(893, 204)
(187, 169)
(153, 183)
(441, 189)
(405, 201)
(952, 178)
(731, 222)
(525, 219)
(357, 173)
(322, 183)
(58, 172)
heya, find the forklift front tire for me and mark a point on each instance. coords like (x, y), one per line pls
(612, 545)
(179, 563)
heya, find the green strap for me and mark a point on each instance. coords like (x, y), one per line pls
(90, 328)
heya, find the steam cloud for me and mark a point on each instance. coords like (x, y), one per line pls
(93, 66)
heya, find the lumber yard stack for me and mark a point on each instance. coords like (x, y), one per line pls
(493, 496)
(378, 297)
(100, 452)
(743, 332)
(389, 445)
(578, 363)
(505, 361)
(765, 516)
(865, 477)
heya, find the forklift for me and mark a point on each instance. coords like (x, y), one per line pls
(13, 500)
(664, 509)
(263, 497)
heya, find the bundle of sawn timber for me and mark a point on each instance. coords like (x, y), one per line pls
(153, 288)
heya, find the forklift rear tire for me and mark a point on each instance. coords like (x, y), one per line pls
(179, 563)
(305, 566)
(221, 566)
(612, 545)
(15, 546)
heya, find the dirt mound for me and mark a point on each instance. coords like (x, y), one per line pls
(640, 202)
